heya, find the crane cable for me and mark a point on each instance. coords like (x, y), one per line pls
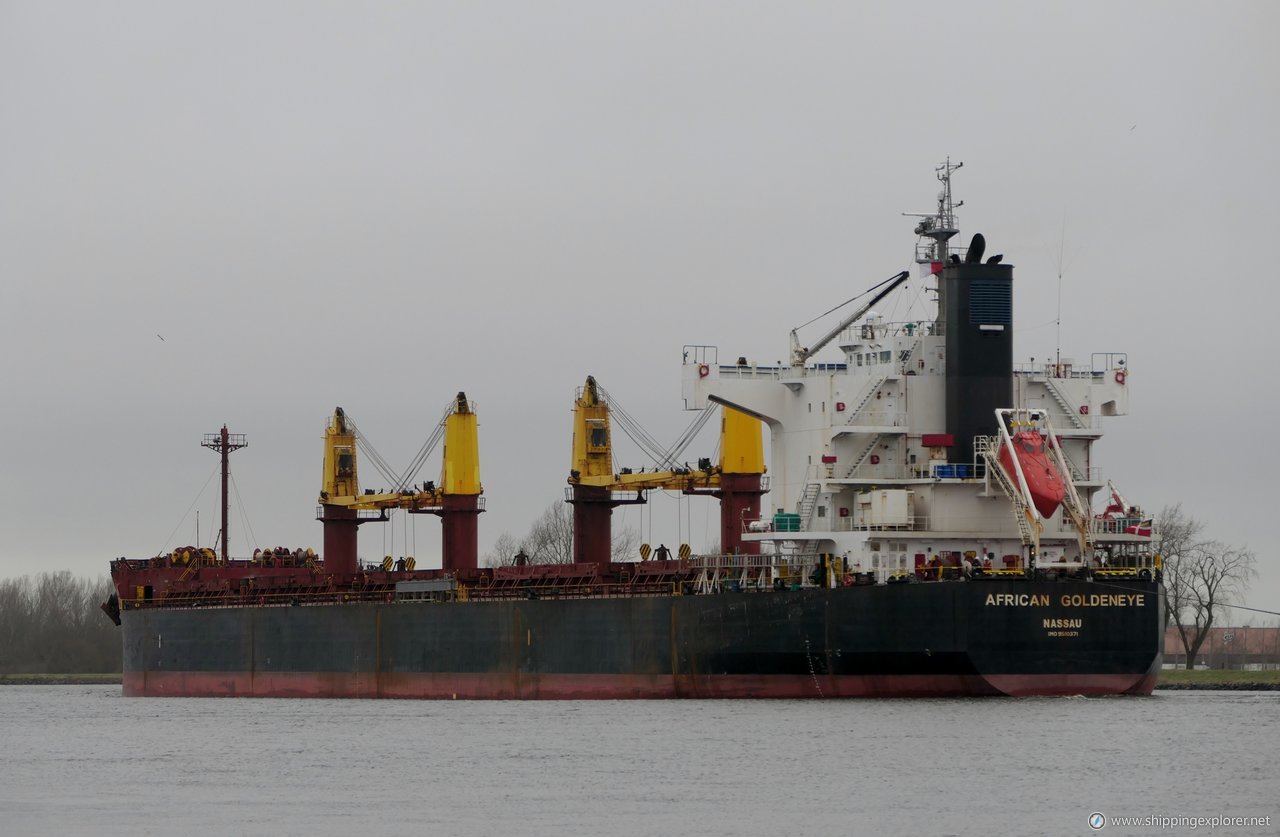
(367, 447)
(401, 482)
(650, 446)
(244, 516)
(411, 473)
(694, 428)
(216, 469)
(847, 301)
(669, 457)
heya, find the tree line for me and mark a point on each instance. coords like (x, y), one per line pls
(51, 623)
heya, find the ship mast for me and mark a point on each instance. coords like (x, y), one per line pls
(938, 228)
(224, 443)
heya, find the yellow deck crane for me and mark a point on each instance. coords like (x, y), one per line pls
(457, 499)
(596, 488)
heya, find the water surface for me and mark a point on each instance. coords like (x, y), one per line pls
(82, 760)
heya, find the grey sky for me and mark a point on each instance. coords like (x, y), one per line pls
(379, 204)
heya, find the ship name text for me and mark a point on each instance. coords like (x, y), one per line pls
(1068, 600)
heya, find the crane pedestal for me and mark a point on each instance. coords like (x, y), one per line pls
(739, 501)
(592, 524)
(340, 527)
(458, 522)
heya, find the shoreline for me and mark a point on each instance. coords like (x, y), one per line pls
(60, 679)
(1169, 681)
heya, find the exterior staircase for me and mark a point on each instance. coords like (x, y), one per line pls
(857, 462)
(1072, 505)
(808, 502)
(805, 508)
(1029, 525)
(867, 395)
(1068, 409)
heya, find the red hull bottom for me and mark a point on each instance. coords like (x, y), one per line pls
(619, 686)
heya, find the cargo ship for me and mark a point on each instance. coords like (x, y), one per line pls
(925, 528)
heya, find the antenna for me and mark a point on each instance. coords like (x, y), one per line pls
(934, 231)
(1062, 242)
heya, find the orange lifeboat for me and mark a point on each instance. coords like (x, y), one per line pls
(1043, 480)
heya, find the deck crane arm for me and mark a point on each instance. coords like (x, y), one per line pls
(799, 355)
(593, 452)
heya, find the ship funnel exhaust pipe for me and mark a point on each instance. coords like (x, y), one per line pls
(979, 335)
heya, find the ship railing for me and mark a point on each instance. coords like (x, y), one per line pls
(594, 590)
(926, 254)
(1091, 474)
(731, 561)
(878, 418)
(864, 332)
(262, 597)
(920, 522)
(752, 370)
(1119, 525)
(735, 574)
(1101, 364)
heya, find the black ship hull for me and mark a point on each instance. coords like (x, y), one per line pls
(981, 637)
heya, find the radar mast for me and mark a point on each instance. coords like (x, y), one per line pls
(936, 230)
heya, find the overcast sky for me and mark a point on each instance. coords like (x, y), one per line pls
(252, 212)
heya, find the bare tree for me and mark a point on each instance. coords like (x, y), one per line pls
(1208, 576)
(626, 545)
(550, 541)
(504, 551)
(1179, 537)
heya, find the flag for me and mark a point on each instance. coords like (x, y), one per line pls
(1140, 527)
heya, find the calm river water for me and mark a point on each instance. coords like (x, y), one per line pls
(82, 760)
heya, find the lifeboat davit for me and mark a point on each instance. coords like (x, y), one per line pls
(1043, 479)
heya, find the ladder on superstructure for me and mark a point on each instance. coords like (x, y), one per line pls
(1066, 406)
(858, 460)
(1071, 503)
(867, 395)
(808, 502)
(1029, 525)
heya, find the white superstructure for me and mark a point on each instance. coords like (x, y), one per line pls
(857, 466)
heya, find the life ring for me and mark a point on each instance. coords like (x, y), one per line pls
(1120, 377)
(1084, 409)
(703, 370)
